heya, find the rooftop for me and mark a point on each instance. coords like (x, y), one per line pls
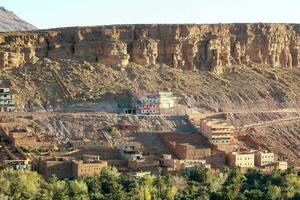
(218, 123)
(142, 94)
(191, 139)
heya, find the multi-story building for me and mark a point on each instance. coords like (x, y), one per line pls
(217, 131)
(243, 160)
(60, 167)
(146, 103)
(7, 98)
(87, 167)
(150, 102)
(263, 158)
(70, 168)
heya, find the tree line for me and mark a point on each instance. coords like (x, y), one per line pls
(198, 183)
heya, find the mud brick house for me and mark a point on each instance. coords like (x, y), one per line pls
(187, 146)
(68, 167)
(22, 138)
(174, 165)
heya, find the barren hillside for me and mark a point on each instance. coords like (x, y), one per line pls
(212, 67)
(10, 22)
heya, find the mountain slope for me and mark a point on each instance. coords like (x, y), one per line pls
(11, 22)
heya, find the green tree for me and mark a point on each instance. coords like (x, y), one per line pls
(78, 190)
(231, 188)
(273, 192)
(59, 188)
(23, 184)
(110, 184)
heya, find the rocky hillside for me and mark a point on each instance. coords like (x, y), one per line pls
(212, 65)
(10, 22)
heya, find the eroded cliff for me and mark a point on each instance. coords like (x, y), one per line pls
(188, 47)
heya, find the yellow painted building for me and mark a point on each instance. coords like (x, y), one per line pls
(263, 158)
(243, 160)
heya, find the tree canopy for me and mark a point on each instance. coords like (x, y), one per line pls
(196, 183)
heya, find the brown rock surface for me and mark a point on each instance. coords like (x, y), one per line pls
(211, 47)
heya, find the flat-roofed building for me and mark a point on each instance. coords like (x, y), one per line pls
(145, 102)
(264, 158)
(170, 164)
(18, 164)
(60, 167)
(22, 138)
(7, 98)
(281, 165)
(167, 100)
(91, 168)
(243, 160)
(187, 146)
(217, 131)
(69, 167)
(130, 151)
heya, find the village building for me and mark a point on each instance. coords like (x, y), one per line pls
(130, 152)
(281, 165)
(7, 98)
(277, 165)
(187, 146)
(60, 167)
(68, 167)
(167, 100)
(263, 158)
(22, 138)
(90, 166)
(146, 103)
(217, 131)
(17, 164)
(175, 165)
(143, 165)
(242, 160)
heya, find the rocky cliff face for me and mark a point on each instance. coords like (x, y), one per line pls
(188, 47)
(10, 22)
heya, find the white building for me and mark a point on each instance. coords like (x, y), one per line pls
(167, 100)
(130, 152)
(263, 158)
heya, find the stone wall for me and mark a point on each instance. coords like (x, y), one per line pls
(188, 47)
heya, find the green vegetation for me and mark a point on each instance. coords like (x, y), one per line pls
(199, 184)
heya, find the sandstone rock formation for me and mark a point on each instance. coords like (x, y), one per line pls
(145, 50)
(188, 47)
